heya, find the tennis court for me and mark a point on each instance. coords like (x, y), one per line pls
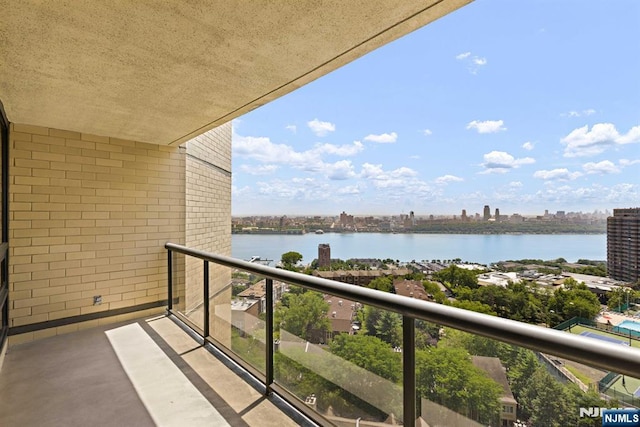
(603, 338)
(579, 329)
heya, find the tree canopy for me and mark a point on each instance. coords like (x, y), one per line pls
(291, 258)
(370, 353)
(303, 315)
(447, 376)
(457, 277)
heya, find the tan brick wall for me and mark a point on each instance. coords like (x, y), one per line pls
(208, 224)
(89, 215)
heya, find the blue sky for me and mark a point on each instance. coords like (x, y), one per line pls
(522, 105)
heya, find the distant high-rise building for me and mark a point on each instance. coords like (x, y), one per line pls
(412, 218)
(623, 244)
(497, 215)
(487, 213)
(324, 255)
(464, 215)
(346, 219)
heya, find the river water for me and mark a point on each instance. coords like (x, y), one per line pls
(480, 248)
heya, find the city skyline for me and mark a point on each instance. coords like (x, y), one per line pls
(536, 112)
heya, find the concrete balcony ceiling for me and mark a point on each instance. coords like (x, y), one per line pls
(164, 72)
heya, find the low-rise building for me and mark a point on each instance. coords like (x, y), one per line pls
(494, 369)
(411, 289)
(360, 277)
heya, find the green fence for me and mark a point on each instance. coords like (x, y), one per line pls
(574, 321)
(606, 381)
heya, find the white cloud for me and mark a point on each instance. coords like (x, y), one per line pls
(473, 62)
(339, 170)
(627, 162)
(415, 157)
(445, 179)
(584, 142)
(342, 150)
(321, 128)
(619, 194)
(515, 184)
(501, 162)
(263, 150)
(603, 167)
(575, 113)
(351, 189)
(488, 126)
(402, 177)
(292, 128)
(427, 132)
(561, 174)
(384, 138)
(259, 170)
(528, 146)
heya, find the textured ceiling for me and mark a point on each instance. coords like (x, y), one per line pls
(165, 71)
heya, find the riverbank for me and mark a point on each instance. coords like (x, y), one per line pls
(479, 248)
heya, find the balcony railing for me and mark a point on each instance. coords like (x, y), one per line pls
(200, 296)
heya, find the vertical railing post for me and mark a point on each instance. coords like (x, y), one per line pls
(169, 280)
(206, 299)
(409, 370)
(269, 335)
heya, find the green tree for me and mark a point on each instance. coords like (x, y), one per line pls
(617, 298)
(476, 306)
(305, 315)
(383, 324)
(542, 399)
(445, 375)
(383, 283)
(574, 300)
(457, 277)
(290, 259)
(369, 353)
(432, 288)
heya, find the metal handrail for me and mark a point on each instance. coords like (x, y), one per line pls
(617, 358)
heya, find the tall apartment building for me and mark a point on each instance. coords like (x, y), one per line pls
(623, 244)
(324, 255)
(487, 213)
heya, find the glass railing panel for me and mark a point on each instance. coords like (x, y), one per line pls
(178, 282)
(466, 379)
(193, 305)
(328, 359)
(245, 296)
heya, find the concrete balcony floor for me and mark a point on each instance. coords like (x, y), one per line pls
(143, 373)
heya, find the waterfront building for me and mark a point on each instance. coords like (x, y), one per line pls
(487, 213)
(360, 277)
(623, 244)
(324, 255)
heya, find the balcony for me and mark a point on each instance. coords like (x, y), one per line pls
(208, 363)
